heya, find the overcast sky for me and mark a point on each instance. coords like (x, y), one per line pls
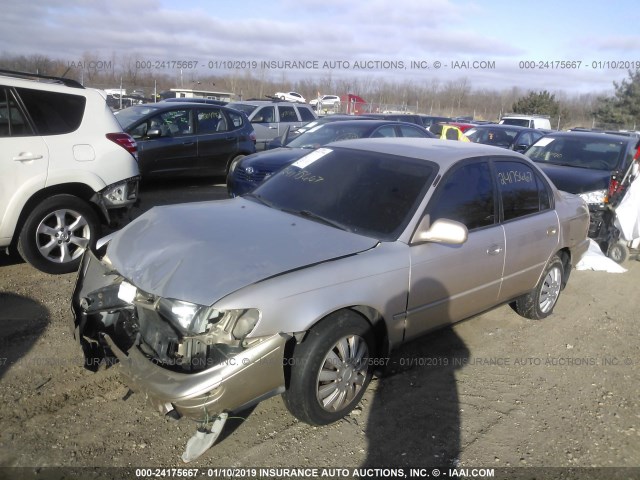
(602, 35)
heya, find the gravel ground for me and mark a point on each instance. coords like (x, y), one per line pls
(494, 391)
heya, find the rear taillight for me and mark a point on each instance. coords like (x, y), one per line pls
(615, 187)
(252, 137)
(126, 141)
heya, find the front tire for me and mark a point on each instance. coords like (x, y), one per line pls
(330, 369)
(539, 303)
(57, 232)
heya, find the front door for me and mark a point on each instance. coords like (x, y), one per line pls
(449, 283)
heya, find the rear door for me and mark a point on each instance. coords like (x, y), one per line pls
(24, 159)
(449, 283)
(217, 140)
(531, 225)
(288, 118)
(265, 124)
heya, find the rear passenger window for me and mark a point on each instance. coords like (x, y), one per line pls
(408, 131)
(287, 114)
(53, 113)
(306, 115)
(522, 191)
(236, 119)
(12, 121)
(386, 131)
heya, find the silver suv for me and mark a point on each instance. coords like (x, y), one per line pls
(66, 168)
(270, 118)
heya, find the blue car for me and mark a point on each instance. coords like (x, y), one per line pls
(248, 172)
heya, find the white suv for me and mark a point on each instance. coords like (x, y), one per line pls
(66, 168)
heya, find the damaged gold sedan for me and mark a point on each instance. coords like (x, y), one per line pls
(303, 285)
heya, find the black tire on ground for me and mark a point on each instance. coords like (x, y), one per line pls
(539, 303)
(618, 252)
(57, 232)
(330, 369)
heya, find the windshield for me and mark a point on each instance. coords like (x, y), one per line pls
(130, 115)
(595, 154)
(368, 193)
(500, 137)
(520, 122)
(243, 107)
(329, 132)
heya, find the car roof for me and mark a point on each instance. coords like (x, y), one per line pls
(373, 122)
(443, 152)
(497, 126)
(593, 136)
(266, 102)
(174, 105)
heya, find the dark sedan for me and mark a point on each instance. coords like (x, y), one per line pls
(187, 138)
(336, 117)
(592, 165)
(505, 136)
(250, 171)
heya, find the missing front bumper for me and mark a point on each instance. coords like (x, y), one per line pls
(248, 377)
(240, 380)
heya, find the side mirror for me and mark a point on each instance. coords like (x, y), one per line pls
(521, 148)
(154, 133)
(441, 231)
(275, 143)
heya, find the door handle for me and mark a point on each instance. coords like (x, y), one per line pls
(25, 157)
(551, 231)
(188, 143)
(494, 250)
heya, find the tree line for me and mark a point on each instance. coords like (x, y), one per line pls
(451, 98)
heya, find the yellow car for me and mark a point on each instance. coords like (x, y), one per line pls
(448, 132)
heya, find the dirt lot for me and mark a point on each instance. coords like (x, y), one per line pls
(494, 391)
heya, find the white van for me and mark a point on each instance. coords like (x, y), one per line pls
(529, 121)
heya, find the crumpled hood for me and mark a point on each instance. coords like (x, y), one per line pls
(201, 252)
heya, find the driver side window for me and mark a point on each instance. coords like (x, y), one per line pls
(466, 195)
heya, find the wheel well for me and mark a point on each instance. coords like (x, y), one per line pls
(565, 258)
(369, 314)
(374, 318)
(231, 160)
(79, 190)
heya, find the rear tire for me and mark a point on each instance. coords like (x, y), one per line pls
(539, 303)
(330, 369)
(57, 232)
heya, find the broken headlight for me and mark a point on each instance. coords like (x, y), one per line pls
(194, 319)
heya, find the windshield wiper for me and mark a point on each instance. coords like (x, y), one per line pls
(259, 198)
(319, 218)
